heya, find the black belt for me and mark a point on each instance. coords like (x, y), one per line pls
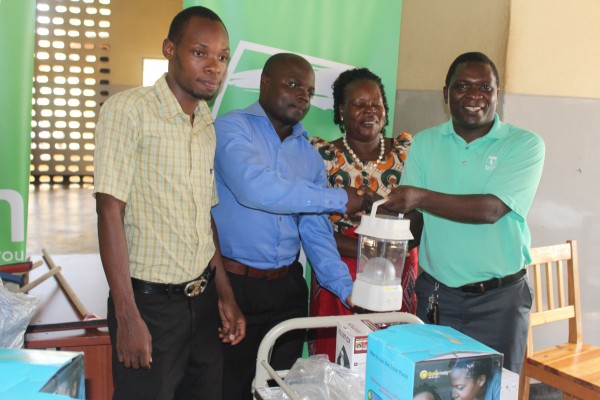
(482, 287)
(190, 289)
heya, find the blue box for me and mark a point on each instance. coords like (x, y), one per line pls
(41, 374)
(404, 360)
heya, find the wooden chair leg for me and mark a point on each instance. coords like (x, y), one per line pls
(524, 382)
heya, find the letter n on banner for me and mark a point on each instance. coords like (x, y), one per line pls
(17, 35)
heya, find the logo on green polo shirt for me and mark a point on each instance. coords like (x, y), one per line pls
(490, 165)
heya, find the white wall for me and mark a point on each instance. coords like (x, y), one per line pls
(566, 205)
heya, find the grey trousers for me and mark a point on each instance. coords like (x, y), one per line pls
(498, 318)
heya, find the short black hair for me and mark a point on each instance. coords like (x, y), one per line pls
(473, 56)
(280, 58)
(426, 388)
(181, 21)
(339, 92)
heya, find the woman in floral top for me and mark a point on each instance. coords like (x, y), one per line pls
(363, 156)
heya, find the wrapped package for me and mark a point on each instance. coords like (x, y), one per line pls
(317, 378)
(16, 310)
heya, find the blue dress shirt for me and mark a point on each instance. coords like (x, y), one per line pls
(273, 196)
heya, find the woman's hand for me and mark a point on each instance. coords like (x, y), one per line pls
(355, 204)
(360, 201)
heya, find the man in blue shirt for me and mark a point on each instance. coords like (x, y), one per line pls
(474, 177)
(273, 198)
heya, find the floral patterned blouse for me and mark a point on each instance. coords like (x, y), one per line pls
(342, 171)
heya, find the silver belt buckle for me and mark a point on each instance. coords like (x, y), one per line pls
(194, 288)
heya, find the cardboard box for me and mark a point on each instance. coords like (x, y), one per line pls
(403, 360)
(351, 343)
(41, 374)
(510, 385)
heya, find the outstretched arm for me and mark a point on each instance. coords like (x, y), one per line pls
(510, 185)
(258, 183)
(468, 208)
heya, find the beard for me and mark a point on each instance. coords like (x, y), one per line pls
(203, 96)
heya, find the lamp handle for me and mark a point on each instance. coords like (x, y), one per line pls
(377, 204)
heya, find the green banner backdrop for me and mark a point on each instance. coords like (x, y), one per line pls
(333, 35)
(17, 35)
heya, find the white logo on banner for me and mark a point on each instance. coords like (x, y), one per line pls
(326, 71)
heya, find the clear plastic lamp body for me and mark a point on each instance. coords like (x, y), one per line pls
(381, 261)
(383, 241)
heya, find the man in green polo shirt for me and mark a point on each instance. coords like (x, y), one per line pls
(474, 178)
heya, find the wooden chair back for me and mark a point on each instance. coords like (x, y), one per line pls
(572, 367)
(554, 275)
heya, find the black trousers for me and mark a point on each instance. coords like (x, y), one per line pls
(265, 303)
(186, 350)
(498, 318)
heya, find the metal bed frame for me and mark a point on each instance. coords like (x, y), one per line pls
(265, 372)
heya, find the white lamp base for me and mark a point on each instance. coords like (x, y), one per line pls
(375, 297)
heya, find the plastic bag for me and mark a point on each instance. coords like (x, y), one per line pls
(16, 310)
(316, 378)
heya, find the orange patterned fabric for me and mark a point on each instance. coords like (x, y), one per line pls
(382, 178)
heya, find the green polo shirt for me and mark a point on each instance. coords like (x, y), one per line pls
(507, 162)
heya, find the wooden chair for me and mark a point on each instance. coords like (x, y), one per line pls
(572, 367)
